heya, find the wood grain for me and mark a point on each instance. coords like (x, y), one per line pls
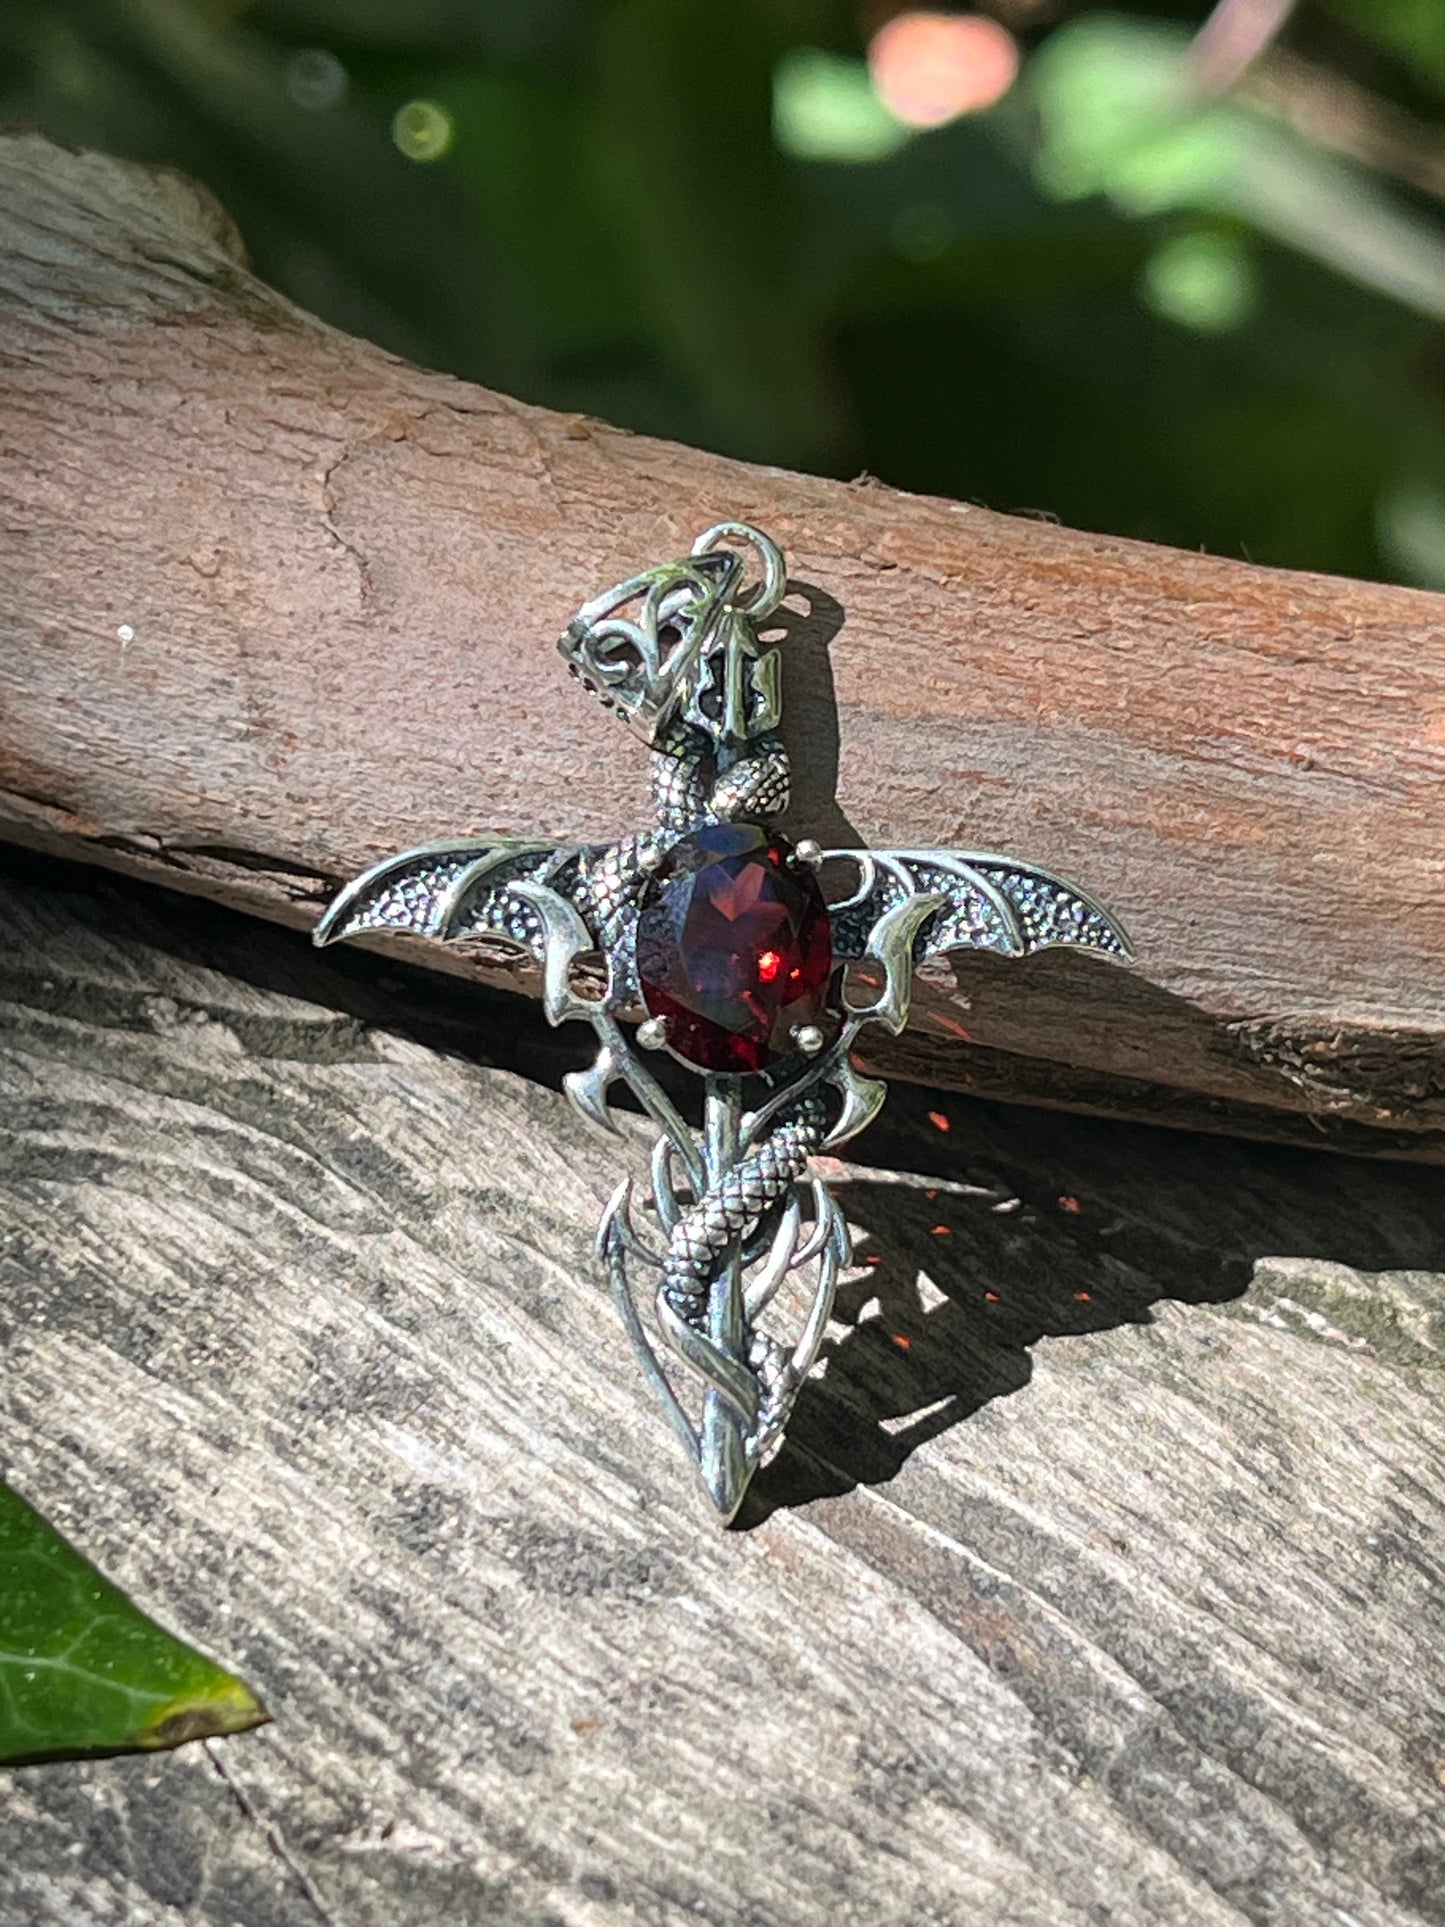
(1100, 1582)
(275, 604)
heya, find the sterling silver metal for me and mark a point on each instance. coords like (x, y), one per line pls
(733, 1222)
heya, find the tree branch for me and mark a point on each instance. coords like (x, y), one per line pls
(1232, 39)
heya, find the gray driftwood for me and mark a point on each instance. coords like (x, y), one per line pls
(274, 604)
(1101, 1582)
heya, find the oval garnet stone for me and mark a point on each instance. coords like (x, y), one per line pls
(734, 947)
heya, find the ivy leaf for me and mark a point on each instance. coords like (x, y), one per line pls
(83, 1671)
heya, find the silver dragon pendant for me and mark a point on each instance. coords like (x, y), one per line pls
(720, 929)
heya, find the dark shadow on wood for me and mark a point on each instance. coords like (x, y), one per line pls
(810, 715)
(989, 1228)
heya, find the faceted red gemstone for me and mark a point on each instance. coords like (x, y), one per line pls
(734, 948)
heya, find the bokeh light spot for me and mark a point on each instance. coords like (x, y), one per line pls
(422, 130)
(314, 79)
(929, 68)
(825, 109)
(1203, 281)
(1410, 518)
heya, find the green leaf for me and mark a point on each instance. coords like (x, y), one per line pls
(1118, 118)
(82, 1671)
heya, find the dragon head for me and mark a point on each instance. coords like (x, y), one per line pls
(675, 643)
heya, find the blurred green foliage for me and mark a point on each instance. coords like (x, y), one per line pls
(1102, 299)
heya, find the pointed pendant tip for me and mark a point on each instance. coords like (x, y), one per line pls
(725, 1492)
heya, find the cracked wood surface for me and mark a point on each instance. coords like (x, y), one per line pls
(275, 604)
(1100, 1580)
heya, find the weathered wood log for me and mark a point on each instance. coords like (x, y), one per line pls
(275, 604)
(303, 1343)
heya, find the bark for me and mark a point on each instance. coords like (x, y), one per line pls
(1091, 1586)
(276, 604)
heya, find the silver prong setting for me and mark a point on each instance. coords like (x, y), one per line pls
(809, 852)
(809, 1039)
(652, 1033)
(650, 860)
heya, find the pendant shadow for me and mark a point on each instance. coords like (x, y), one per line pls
(805, 625)
(976, 1241)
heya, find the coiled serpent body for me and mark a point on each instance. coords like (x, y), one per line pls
(690, 789)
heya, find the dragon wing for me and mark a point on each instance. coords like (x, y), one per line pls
(451, 890)
(990, 903)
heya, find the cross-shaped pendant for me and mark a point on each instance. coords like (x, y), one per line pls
(721, 930)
